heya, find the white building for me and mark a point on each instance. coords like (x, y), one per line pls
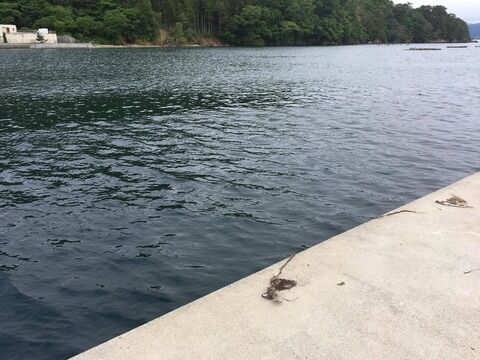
(8, 29)
(43, 31)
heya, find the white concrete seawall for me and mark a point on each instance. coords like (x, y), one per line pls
(29, 38)
(48, 46)
(403, 286)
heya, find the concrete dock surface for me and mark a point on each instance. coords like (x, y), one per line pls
(402, 286)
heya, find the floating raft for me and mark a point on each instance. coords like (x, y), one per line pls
(423, 49)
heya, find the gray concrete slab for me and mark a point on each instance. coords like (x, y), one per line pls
(404, 286)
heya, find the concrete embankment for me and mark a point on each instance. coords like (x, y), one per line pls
(63, 46)
(48, 46)
(96, 46)
(403, 286)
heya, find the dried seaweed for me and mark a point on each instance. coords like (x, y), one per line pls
(399, 212)
(454, 201)
(277, 284)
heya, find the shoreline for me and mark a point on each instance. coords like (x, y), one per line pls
(153, 46)
(36, 46)
(102, 46)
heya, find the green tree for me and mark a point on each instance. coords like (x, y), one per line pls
(252, 26)
(239, 22)
(9, 13)
(115, 25)
(41, 38)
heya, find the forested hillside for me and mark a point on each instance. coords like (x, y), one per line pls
(239, 22)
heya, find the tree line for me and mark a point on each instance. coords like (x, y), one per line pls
(239, 22)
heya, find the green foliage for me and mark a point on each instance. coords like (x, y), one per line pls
(9, 13)
(301, 22)
(40, 38)
(109, 21)
(252, 27)
(178, 34)
(115, 25)
(86, 26)
(55, 17)
(239, 22)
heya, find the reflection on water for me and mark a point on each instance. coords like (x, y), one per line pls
(134, 181)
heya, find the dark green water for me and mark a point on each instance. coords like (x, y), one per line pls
(135, 181)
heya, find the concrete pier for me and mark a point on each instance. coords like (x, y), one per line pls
(402, 286)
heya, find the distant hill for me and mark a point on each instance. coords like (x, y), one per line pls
(238, 22)
(474, 30)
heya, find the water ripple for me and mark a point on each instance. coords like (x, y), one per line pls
(134, 181)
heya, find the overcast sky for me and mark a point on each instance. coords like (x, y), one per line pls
(468, 10)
